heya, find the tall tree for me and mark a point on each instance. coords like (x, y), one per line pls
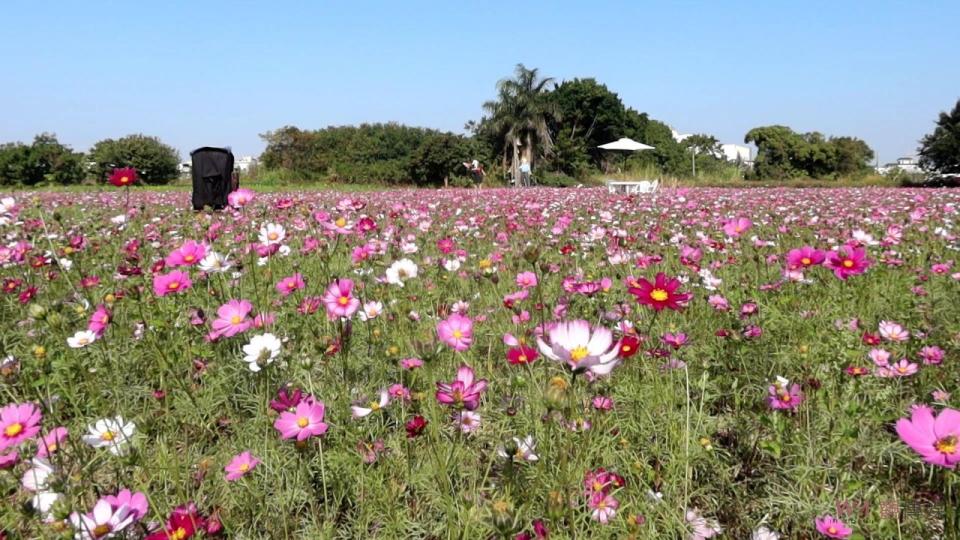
(940, 150)
(156, 162)
(520, 115)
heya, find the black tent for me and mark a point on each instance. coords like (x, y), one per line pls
(212, 177)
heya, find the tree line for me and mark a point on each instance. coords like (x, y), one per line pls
(555, 126)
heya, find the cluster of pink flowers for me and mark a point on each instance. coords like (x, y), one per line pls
(599, 488)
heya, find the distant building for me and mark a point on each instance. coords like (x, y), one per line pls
(909, 165)
(679, 137)
(736, 152)
(245, 163)
(185, 167)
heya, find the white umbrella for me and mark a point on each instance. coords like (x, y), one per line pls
(625, 145)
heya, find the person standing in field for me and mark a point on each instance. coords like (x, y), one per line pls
(524, 172)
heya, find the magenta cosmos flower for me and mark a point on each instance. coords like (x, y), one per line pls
(339, 299)
(18, 422)
(737, 226)
(52, 441)
(99, 320)
(935, 438)
(232, 318)
(135, 501)
(574, 344)
(456, 331)
(240, 465)
(847, 261)
(189, 254)
(289, 284)
(781, 397)
(805, 257)
(832, 527)
(174, 282)
(304, 422)
(463, 392)
(660, 294)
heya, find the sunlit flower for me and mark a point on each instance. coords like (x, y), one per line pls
(81, 339)
(574, 344)
(262, 350)
(240, 465)
(114, 434)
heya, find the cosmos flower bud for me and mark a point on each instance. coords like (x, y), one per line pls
(531, 254)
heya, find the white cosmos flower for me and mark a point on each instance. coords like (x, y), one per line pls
(408, 248)
(523, 451)
(400, 271)
(573, 344)
(261, 350)
(764, 533)
(371, 310)
(43, 502)
(214, 262)
(7, 204)
(111, 433)
(119, 220)
(451, 265)
(35, 478)
(103, 522)
(359, 412)
(271, 233)
(81, 339)
(65, 263)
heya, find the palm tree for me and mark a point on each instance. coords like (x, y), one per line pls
(520, 114)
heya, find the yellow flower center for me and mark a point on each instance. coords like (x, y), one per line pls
(178, 534)
(13, 429)
(303, 422)
(244, 467)
(902, 369)
(124, 179)
(785, 398)
(375, 405)
(341, 222)
(522, 359)
(597, 486)
(626, 348)
(559, 383)
(847, 263)
(578, 354)
(273, 236)
(108, 436)
(947, 445)
(291, 284)
(189, 258)
(52, 447)
(343, 300)
(457, 334)
(104, 528)
(485, 263)
(806, 261)
(659, 295)
(235, 319)
(173, 285)
(832, 530)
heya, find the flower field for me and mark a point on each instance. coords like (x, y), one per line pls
(698, 363)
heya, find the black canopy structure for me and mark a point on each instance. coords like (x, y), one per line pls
(212, 171)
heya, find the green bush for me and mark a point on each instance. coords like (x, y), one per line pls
(156, 162)
(45, 161)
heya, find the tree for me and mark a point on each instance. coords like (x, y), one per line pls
(156, 162)
(783, 153)
(521, 113)
(438, 158)
(701, 144)
(940, 150)
(44, 161)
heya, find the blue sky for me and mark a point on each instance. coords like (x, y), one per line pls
(220, 73)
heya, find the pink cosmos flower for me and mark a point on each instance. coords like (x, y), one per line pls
(240, 465)
(240, 198)
(9, 460)
(602, 403)
(339, 299)
(52, 441)
(232, 318)
(903, 368)
(288, 285)
(603, 507)
(675, 340)
(805, 257)
(935, 438)
(574, 344)
(782, 398)
(880, 357)
(737, 226)
(526, 280)
(304, 422)
(463, 392)
(932, 356)
(19, 422)
(189, 254)
(847, 261)
(174, 282)
(892, 331)
(411, 363)
(456, 331)
(99, 320)
(468, 421)
(136, 502)
(718, 302)
(832, 527)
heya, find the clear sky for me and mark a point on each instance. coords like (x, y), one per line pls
(219, 73)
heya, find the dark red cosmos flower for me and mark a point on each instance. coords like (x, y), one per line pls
(870, 339)
(660, 294)
(521, 355)
(123, 177)
(415, 426)
(183, 523)
(857, 371)
(12, 285)
(629, 345)
(27, 295)
(287, 399)
(366, 225)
